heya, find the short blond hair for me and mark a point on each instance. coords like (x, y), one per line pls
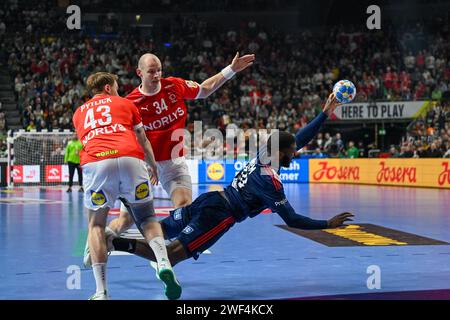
(96, 82)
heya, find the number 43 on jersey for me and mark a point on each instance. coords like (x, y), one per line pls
(92, 118)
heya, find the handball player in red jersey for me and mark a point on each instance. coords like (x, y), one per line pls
(114, 148)
(161, 104)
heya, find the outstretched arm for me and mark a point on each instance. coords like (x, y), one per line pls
(210, 85)
(305, 134)
(295, 220)
(273, 196)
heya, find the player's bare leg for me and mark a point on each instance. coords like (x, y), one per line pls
(154, 237)
(122, 223)
(144, 217)
(97, 244)
(175, 250)
(116, 227)
(113, 230)
(181, 197)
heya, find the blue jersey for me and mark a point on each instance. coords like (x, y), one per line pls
(258, 186)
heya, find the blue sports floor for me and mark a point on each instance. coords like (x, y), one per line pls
(42, 235)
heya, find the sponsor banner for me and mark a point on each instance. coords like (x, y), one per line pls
(379, 110)
(396, 172)
(215, 172)
(59, 173)
(53, 173)
(65, 174)
(363, 235)
(224, 171)
(17, 174)
(24, 174)
(297, 171)
(31, 174)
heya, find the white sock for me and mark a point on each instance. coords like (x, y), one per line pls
(100, 276)
(159, 248)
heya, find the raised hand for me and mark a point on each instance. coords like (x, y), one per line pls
(240, 63)
(331, 104)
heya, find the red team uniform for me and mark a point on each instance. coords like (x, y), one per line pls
(162, 113)
(111, 157)
(105, 126)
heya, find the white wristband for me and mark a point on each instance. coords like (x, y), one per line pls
(228, 73)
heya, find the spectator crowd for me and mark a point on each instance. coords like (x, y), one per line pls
(285, 89)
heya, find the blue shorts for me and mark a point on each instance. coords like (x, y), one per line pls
(199, 225)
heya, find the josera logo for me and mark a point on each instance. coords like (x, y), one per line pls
(215, 171)
(142, 191)
(444, 176)
(98, 198)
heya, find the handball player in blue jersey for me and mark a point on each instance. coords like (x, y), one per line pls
(255, 188)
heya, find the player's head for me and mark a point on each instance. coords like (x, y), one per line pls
(149, 69)
(102, 82)
(286, 147)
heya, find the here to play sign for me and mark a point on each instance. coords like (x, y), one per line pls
(379, 110)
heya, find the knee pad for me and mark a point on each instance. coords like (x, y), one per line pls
(142, 213)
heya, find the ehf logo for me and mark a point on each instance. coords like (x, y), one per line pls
(187, 230)
(54, 172)
(177, 214)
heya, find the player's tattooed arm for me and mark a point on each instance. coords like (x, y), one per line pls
(149, 155)
(210, 85)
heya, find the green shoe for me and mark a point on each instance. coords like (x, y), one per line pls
(172, 286)
(100, 296)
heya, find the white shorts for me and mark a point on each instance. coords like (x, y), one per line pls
(107, 180)
(174, 174)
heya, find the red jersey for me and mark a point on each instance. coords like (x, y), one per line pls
(105, 126)
(164, 112)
